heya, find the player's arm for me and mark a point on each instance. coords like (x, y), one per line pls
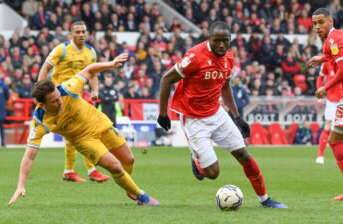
(167, 81)
(172, 76)
(321, 92)
(93, 69)
(94, 84)
(320, 81)
(337, 78)
(186, 67)
(44, 71)
(316, 60)
(24, 171)
(37, 132)
(229, 101)
(53, 59)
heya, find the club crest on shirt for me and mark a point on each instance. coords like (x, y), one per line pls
(333, 47)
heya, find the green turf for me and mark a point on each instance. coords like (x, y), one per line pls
(291, 176)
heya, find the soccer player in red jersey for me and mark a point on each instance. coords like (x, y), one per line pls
(203, 76)
(333, 97)
(332, 53)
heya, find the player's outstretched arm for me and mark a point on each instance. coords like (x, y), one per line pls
(171, 77)
(93, 69)
(25, 168)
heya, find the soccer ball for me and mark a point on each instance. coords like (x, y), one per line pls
(229, 197)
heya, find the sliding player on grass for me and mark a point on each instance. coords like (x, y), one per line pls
(66, 60)
(333, 54)
(203, 76)
(61, 110)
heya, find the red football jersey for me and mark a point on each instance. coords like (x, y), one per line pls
(334, 94)
(204, 75)
(333, 47)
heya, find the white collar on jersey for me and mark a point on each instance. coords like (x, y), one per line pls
(208, 46)
(74, 45)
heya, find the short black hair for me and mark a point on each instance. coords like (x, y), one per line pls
(321, 11)
(41, 89)
(218, 25)
(77, 23)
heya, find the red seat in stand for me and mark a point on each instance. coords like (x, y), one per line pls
(259, 135)
(277, 135)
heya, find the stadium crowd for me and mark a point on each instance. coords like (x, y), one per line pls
(266, 66)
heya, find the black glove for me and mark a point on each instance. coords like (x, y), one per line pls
(243, 126)
(164, 122)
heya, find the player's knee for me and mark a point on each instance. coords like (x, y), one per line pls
(130, 160)
(241, 155)
(212, 172)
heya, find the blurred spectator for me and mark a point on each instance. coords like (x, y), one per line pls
(131, 92)
(303, 135)
(39, 19)
(109, 96)
(24, 87)
(240, 95)
(290, 67)
(29, 7)
(4, 96)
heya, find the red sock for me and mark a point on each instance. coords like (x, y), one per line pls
(323, 140)
(337, 149)
(254, 174)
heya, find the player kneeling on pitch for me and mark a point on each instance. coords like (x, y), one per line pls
(61, 110)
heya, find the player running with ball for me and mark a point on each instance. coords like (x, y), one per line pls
(203, 76)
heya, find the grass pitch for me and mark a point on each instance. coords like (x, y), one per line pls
(291, 175)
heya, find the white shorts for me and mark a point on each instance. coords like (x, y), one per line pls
(219, 128)
(330, 110)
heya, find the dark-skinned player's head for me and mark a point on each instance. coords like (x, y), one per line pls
(322, 22)
(219, 37)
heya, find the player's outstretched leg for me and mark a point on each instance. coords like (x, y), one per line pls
(254, 174)
(124, 180)
(126, 158)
